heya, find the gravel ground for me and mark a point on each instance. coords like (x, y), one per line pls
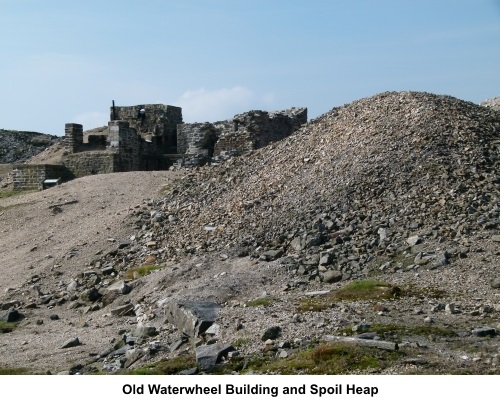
(50, 235)
(400, 187)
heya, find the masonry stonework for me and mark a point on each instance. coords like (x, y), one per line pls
(159, 125)
(31, 177)
(154, 142)
(245, 132)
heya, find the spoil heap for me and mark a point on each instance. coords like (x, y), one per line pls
(19, 146)
(356, 182)
(402, 186)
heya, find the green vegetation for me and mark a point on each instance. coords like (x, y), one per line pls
(13, 371)
(364, 290)
(6, 327)
(331, 358)
(367, 290)
(315, 304)
(6, 194)
(168, 366)
(242, 341)
(141, 271)
(259, 302)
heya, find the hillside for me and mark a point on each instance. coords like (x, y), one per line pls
(20, 146)
(394, 196)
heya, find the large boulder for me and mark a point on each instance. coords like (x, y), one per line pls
(191, 317)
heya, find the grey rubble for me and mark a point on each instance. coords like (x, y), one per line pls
(19, 146)
(401, 187)
(397, 163)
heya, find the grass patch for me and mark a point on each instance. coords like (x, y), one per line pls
(10, 193)
(242, 341)
(330, 358)
(260, 302)
(314, 304)
(426, 330)
(167, 366)
(363, 290)
(6, 327)
(141, 271)
(391, 331)
(367, 290)
(13, 371)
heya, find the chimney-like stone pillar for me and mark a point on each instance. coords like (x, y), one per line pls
(73, 138)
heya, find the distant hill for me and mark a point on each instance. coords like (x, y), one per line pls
(19, 146)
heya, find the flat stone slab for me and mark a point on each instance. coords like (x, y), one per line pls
(191, 317)
(207, 357)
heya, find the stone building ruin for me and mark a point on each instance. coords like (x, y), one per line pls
(157, 142)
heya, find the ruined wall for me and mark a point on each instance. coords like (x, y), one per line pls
(198, 138)
(125, 142)
(31, 177)
(116, 149)
(130, 144)
(256, 129)
(88, 163)
(252, 130)
(159, 126)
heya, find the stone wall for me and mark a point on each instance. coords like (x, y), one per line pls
(73, 137)
(88, 163)
(126, 143)
(31, 177)
(198, 138)
(130, 144)
(158, 127)
(256, 129)
(252, 130)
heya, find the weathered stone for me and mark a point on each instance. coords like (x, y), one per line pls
(178, 343)
(382, 233)
(214, 329)
(495, 283)
(9, 304)
(484, 331)
(271, 255)
(207, 357)
(91, 294)
(414, 240)
(191, 317)
(142, 331)
(363, 327)
(71, 343)
(271, 333)
(417, 361)
(122, 310)
(11, 315)
(380, 344)
(332, 276)
(121, 287)
(441, 259)
(326, 258)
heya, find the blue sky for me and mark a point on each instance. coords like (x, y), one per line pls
(66, 60)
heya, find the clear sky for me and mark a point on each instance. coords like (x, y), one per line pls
(65, 61)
